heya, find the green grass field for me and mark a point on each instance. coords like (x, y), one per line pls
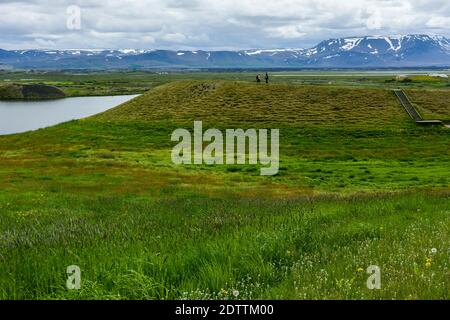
(134, 82)
(432, 104)
(359, 184)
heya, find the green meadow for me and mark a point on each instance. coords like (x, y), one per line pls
(133, 82)
(359, 185)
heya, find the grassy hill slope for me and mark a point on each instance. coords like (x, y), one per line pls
(11, 91)
(29, 92)
(226, 102)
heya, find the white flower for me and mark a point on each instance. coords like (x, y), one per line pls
(433, 250)
(235, 293)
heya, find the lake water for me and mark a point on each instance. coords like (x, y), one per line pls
(21, 116)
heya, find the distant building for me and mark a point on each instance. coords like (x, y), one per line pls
(438, 75)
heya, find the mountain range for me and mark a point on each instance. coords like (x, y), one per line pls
(351, 52)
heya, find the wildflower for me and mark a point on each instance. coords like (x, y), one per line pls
(428, 262)
(235, 293)
(223, 292)
(360, 270)
(433, 250)
(288, 253)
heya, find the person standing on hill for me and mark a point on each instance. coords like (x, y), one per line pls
(267, 77)
(258, 78)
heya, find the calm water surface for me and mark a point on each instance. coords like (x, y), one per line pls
(21, 116)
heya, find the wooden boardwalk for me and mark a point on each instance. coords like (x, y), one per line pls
(412, 112)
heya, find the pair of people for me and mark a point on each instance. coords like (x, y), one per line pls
(258, 78)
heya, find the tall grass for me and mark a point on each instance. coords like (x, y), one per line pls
(199, 248)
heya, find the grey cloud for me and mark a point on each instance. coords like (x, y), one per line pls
(213, 24)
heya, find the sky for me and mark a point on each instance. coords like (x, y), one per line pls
(210, 24)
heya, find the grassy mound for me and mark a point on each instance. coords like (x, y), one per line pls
(30, 92)
(228, 102)
(11, 92)
(432, 104)
(202, 248)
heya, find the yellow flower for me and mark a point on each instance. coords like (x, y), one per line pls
(360, 270)
(428, 264)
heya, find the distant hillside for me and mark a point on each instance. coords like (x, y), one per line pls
(234, 103)
(352, 52)
(29, 92)
(11, 92)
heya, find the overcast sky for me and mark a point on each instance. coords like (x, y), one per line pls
(211, 24)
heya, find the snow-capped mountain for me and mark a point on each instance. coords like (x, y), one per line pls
(352, 52)
(374, 51)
